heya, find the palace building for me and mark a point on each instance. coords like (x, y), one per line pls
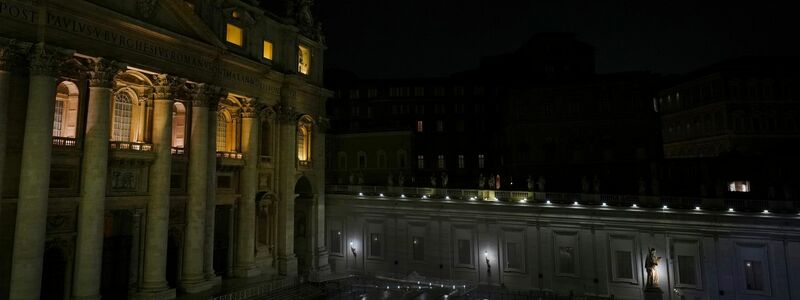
(151, 148)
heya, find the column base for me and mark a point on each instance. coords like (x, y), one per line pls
(245, 272)
(287, 265)
(153, 295)
(200, 286)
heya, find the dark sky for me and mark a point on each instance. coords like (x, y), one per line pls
(408, 38)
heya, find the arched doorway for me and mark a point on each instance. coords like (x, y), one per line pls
(173, 258)
(54, 273)
(303, 229)
(117, 243)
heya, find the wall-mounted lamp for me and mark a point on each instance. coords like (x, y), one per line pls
(353, 249)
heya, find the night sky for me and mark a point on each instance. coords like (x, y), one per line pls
(410, 38)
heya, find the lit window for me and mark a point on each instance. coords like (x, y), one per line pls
(267, 50)
(65, 117)
(420, 161)
(440, 161)
(741, 186)
(121, 125)
(234, 35)
(303, 59)
(481, 161)
(460, 161)
(304, 140)
(178, 125)
(222, 133)
(419, 126)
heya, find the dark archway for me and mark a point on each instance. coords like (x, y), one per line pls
(117, 242)
(222, 239)
(173, 257)
(54, 274)
(303, 225)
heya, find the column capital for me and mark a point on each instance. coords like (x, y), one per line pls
(12, 53)
(206, 95)
(102, 71)
(287, 113)
(45, 60)
(165, 86)
(250, 107)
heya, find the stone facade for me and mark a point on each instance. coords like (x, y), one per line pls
(149, 147)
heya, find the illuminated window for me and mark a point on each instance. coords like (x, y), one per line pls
(121, 124)
(481, 161)
(65, 117)
(303, 59)
(234, 35)
(420, 161)
(178, 125)
(740, 186)
(460, 161)
(267, 50)
(304, 139)
(419, 126)
(222, 133)
(440, 161)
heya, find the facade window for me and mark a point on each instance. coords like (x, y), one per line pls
(566, 260)
(420, 161)
(234, 35)
(354, 94)
(303, 59)
(375, 245)
(754, 275)
(440, 161)
(362, 160)
(121, 124)
(381, 159)
(304, 139)
(372, 93)
(740, 186)
(461, 161)
(336, 242)
(420, 127)
(65, 117)
(686, 270)
(440, 126)
(419, 109)
(464, 252)
(458, 91)
(178, 125)
(355, 111)
(438, 92)
(222, 133)
(267, 52)
(419, 91)
(624, 268)
(418, 248)
(512, 256)
(481, 161)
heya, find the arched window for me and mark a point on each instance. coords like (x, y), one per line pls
(65, 116)
(121, 117)
(178, 125)
(304, 139)
(222, 132)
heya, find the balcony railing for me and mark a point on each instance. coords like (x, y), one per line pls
(573, 199)
(304, 163)
(64, 142)
(131, 146)
(177, 151)
(231, 155)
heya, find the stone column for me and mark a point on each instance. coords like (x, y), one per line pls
(91, 209)
(10, 56)
(211, 200)
(287, 261)
(246, 238)
(193, 278)
(154, 281)
(320, 265)
(29, 234)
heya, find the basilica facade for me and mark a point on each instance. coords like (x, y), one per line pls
(151, 148)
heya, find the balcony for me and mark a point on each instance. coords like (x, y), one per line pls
(131, 151)
(229, 159)
(306, 164)
(64, 142)
(177, 151)
(664, 204)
